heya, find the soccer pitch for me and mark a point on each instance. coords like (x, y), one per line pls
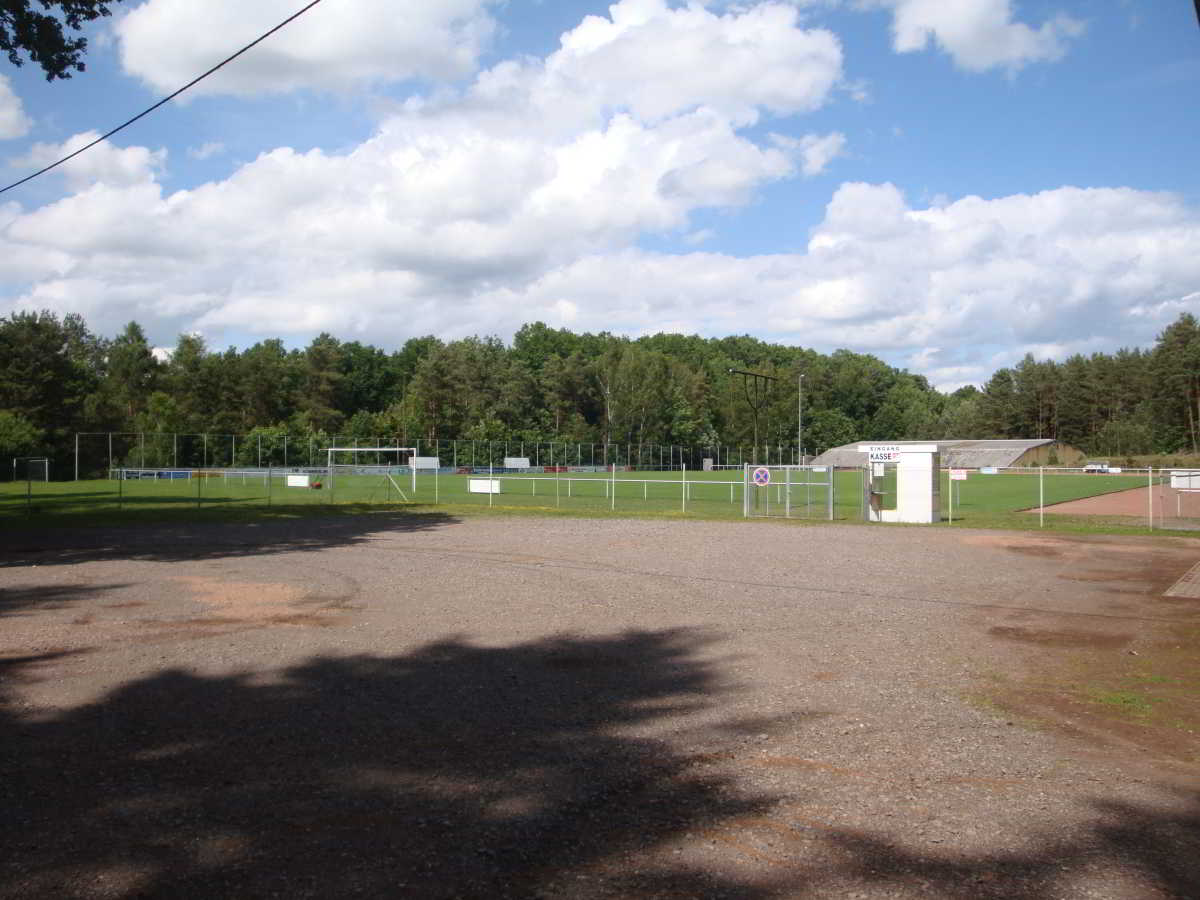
(706, 494)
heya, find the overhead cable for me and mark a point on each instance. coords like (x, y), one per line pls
(166, 99)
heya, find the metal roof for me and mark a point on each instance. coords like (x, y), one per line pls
(958, 454)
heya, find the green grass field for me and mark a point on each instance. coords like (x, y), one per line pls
(988, 500)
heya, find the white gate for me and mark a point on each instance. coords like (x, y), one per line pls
(788, 492)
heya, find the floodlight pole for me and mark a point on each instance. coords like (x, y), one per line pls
(800, 419)
(761, 386)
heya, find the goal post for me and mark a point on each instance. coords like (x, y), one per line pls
(411, 451)
(31, 468)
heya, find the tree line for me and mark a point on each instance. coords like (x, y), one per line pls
(57, 378)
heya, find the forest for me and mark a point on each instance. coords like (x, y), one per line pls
(57, 378)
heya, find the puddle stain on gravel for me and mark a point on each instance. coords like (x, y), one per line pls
(254, 604)
(1044, 551)
(1065, 637)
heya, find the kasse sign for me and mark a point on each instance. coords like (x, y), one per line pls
(883, 453)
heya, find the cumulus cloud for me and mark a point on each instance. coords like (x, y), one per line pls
(206, 150)
(978, 34)
(816, 152)
(657, 61)
(523, 196)
(105, 163)
(13, 121)
(335, 46)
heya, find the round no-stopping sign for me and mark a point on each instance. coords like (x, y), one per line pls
(762, 476)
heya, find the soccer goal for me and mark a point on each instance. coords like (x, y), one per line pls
(31, 468)
(385, 471)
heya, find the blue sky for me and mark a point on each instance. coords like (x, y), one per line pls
(948, 185)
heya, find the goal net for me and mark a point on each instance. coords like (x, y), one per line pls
(31, 468)
(366, 470)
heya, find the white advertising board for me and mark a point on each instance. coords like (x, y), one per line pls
(988, 470)
(297, 481)
(1185, 481)
(516, 462)
(958, 474)
(484, 485)
(425, 462)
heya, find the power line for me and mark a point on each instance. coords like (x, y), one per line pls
(166, 99)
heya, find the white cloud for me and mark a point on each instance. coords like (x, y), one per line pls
(521, 197)
(978, 34)
(657, 61)
(13, 121)
(335, 46)
(534, 165)
(816, 152)
(206, 150)
(105, 163)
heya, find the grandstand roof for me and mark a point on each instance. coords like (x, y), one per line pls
(958, 454)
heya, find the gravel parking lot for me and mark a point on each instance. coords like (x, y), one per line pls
(542, 707)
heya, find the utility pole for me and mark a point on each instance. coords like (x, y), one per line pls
(761, 386)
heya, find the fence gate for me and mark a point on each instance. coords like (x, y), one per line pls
(788, 492)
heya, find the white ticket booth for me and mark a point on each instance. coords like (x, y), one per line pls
(917, 483)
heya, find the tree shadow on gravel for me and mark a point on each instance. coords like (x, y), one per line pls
(21, 598)
(175, 542)
(464, 771)
(1157, 848)
(454, 771)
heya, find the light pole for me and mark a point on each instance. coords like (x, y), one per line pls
(800, 418)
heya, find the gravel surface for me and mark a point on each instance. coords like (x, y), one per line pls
(542, 707)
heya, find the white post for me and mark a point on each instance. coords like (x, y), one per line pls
(491, 477)
(951, 486)
(683, 469)
(1150, 495)
(614, 484)
(435, 487)
(1041, 497)
(412, 464)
